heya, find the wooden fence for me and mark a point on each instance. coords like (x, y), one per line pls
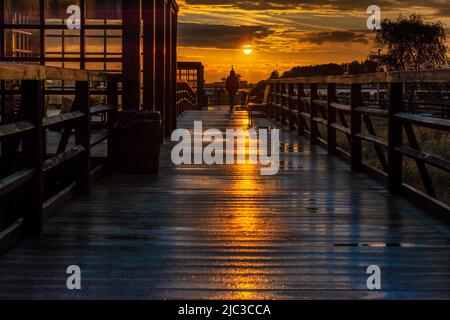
(30, 175)
(296, 102)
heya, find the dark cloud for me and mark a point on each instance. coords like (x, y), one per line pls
(250, 4)
(219, 36)
(440, 7)
(335, 36)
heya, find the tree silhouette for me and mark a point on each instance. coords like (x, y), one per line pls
(274, 75)
(410, 44)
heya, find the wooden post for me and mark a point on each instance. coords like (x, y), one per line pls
(168, 73)
(313, 125)
(113, 100)
(160, 76)
(277, 103)
(175, 113)
(131, 54)
(331, 116)
(290, 105)
(201, 98)
(300, 95)
(355, 127)
(394, 178)
(148, 15)
(282, 111)
(32, 106)
(83, 136)
(272, 100)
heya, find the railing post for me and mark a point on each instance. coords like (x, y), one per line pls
(271, 100)
(174, 112)
(331, 115)
(168, 74)
(277, 101)
(290, 105)
(32, 105)
(313, 125)
(394, 174)
(282, 104)
(131, 55)
(83, 136)
(160, 79)
(300, 95)
(113, 100)
(355, 127)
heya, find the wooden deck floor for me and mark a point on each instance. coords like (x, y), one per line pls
(219, 232)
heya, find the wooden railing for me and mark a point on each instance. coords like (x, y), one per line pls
(186, 98)
(297, 102)
(32, 179)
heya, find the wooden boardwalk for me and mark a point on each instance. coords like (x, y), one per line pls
(226, 232)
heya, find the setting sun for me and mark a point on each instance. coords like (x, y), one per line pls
(247, 50)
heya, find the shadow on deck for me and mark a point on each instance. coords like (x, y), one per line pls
(226, 232)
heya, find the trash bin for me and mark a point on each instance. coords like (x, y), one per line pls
(136, 141)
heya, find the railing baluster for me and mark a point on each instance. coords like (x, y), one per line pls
(272, 100)
(276, 109)
(301, 121)
(394, 174)
(426, 179)
(313, 127)
(355, 127)
(83, 136)
(331, 116)
(33, 147)
(282, 104)
(290, 105)
(113, 100)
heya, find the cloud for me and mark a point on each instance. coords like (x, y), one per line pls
(336, 36)
(249, 4)
(219, 36)
(439, 7)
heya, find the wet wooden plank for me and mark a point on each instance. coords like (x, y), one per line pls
(210, 232)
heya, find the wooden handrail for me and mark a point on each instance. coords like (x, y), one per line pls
(422, 76)
(20, 71)
(31, 167)
(309, 112)
(186, 97)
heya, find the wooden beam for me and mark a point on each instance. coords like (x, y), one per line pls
(314, 130)
(15, 180)
(301, 108)
(83, 136)
(433, 123)
(395, 96)
(148, 15)
(62, 119)
(32, 107)
(291, 106)
(16, 128)
(426, 179)
(160, 77)
(113, 100)
(19, 71)
(422, 76)
(131, 54)
(174, 114)
(167, 70)
(355, 127)
(331, 117)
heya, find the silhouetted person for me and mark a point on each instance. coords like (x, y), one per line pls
(232, 85)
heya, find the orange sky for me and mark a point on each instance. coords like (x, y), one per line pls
(284, 33)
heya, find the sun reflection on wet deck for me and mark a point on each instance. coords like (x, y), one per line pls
(246, 228)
